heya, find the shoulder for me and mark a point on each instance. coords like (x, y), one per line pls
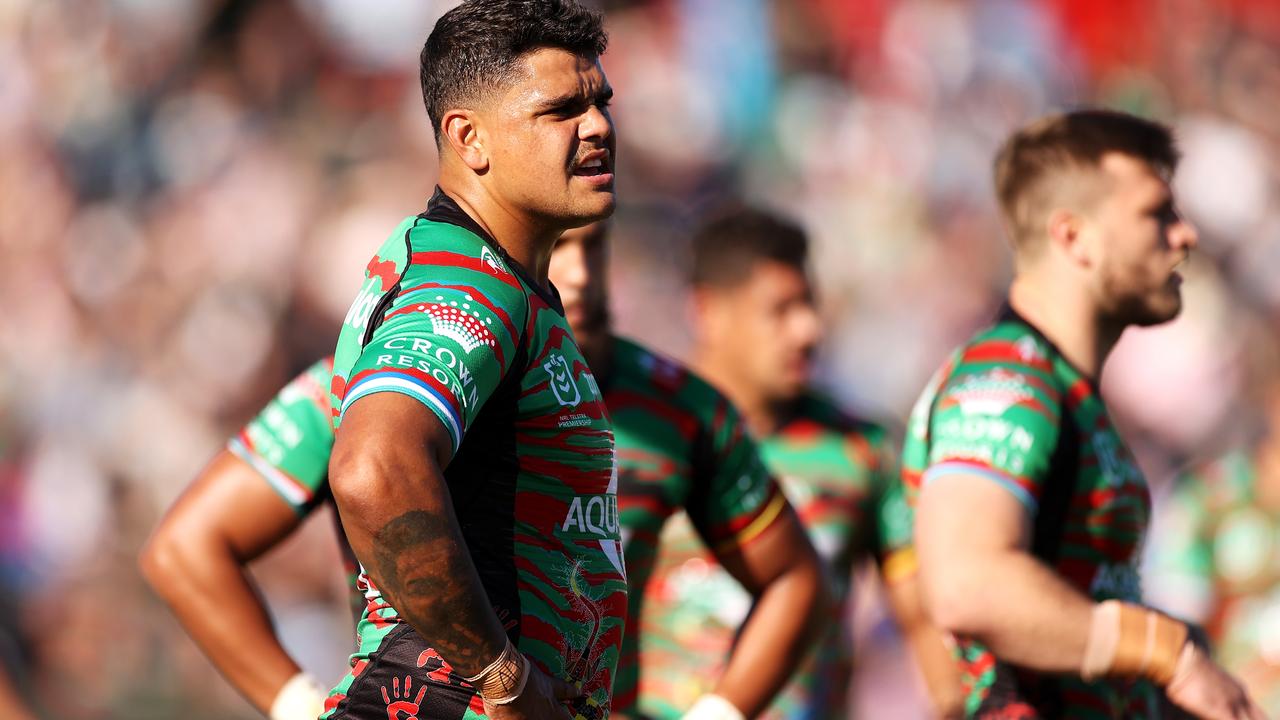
(1005, 367)
(666, 380)
(462, 275)
(826, 415)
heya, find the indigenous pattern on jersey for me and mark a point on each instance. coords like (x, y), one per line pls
(681, 445)
(1216, 562)
(838, 473)
(288, 443)
(1008, 407)
(446, 318)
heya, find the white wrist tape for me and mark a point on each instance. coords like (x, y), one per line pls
(504, 679)
(301, 698)
(713, 707)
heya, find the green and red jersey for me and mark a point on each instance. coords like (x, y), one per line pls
(681, 445)
(1007, 406)
(289, 441)
(837, 471)
(447, 318)
(288, 444)
(1216, 562)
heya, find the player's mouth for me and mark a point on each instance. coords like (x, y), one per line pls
(595, 167)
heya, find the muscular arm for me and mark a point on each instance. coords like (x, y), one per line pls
(980, 581)
(782, 571)
(387, 478)
(196, 561)
(928, 646)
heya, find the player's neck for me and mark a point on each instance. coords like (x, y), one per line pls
(1066, 317)
(524, 240)
(762, 415)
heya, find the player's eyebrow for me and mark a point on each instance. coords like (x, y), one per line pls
(570, 99)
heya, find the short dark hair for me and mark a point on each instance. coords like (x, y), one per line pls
(1035, 155)
(473, 46)
(728, 246)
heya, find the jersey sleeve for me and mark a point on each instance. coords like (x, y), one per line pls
(289, 441)
(450, 334)
(892, 544)
(733, 498)
(1000, 423)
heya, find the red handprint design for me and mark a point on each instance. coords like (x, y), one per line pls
(398, 702)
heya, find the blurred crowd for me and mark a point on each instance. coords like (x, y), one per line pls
(189, 191)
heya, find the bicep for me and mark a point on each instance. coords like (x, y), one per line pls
(760, 561)
(963, 513)
(388, 454)
(231, 503)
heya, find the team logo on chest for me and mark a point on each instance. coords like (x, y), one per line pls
(562, 384)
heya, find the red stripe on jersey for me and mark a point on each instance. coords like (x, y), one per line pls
(467, 262)
(620, 400)
(1076, 394)
(384, 270)
(476, 296)
(1004, 351)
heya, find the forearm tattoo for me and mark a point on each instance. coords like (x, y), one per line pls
(423, 568)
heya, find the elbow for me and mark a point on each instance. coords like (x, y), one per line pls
(161, 561)
(355, 478)
(811, 577)
(955, 602)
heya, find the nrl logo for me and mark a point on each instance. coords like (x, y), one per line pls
(562, 384)
(490, 258)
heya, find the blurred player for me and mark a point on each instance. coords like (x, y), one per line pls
(757, 329)
(679, 445)
(473, 462)
(253, 495)
(1031, 509)
(1217, 556)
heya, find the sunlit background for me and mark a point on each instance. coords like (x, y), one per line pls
(189, 190)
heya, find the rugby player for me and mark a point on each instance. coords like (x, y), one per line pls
(1216, 555)
(1031, 509)
(473, 461)
(251, 496)
(682, 445)
(757, 328)
(679, 445)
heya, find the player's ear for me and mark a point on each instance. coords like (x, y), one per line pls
(702, 312)
(460, 129)
(1065, 229)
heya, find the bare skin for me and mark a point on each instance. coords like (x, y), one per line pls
(756, 341)
(11, 705)
(196, 558)
(1100, 267)
(780, 569)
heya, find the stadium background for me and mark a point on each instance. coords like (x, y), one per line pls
(189, 190)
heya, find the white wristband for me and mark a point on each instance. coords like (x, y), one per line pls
(302, 698)
(713, 707)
